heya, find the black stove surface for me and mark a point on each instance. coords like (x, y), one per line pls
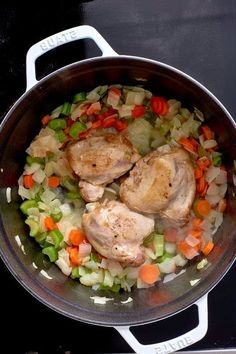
(197, 37)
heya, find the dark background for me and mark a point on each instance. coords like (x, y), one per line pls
(197, 37)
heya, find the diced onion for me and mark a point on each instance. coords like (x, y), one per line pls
(47, 196)
(209, 144)
(115, 268)
(39, 176)
(213, 189)
(84, 250)
(221, 177)
(223, 189)
(212, 173)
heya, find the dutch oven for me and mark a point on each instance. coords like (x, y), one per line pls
(63, 294)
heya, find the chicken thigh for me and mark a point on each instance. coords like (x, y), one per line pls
(117, 232)
(98, 160)
(161, 183)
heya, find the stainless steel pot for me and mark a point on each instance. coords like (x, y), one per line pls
(16, 132)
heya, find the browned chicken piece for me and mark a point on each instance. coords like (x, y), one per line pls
(161, 183)
(100, 159)
(117, 232)
(90, 192)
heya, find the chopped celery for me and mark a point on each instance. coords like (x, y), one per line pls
(139, 132)
(51, 252)
(73, 195)
(75, 273)
(34, 226)
(102, 91)
(158, 242)
(56, 237)
(165, 256)
(150, 117)
(195, 128)
(94, 257)
(57, 124)
(40, 238)
(61, 136)
(70, 184)
(30, 160)
(108, 279)
(57, 217)
(164, 128)
(76, 129)
(148, 239)
(81, 96)
(217, 160)
(27, 204)
(66, 109)
(115, 288)
(83, 118)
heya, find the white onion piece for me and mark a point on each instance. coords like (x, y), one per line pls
(213, 199)
(24, 193)
(170, 247)
(180, 261)
(114, 267)
(132, 272)
(212, 173)
(47, 196)
(221, 177)
(39, 176)
(223, 189)
(65, 209)
(84, 250)
(213, 189)
(29, 170)
(168, 266)
(63, 266)
(209, 144)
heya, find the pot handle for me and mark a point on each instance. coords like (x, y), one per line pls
(175, 344)
(54, 41)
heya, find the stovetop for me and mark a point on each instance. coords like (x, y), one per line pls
(197, 37)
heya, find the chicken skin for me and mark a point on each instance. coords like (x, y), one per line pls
(161, 183)
(117, 232)
(98, 160)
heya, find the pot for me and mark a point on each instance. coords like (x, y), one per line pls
(54, 289)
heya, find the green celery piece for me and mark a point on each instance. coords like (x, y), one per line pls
(30, 160)
(57, 124)
(102, 91)
(150, 117)
(164, 128)
(33, 225)
(66, 109)
(61, 136)
(75, 273)
(57, 238)
(76, 129)
(158, 242)
(73, 195)
(51, 252)
(217, 160)
(57, 217)
(115, 288)
(83, 118)
(149, 239)
(81, 96)
(165, 256)
(27, 204)
(70, 184)
(40, 238)
(94, 257)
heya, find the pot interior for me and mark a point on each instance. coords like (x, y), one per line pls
(65, 295)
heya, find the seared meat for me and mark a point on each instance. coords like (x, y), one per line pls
(117, 232)
(161, 183)
(90, 192)
(100, 159)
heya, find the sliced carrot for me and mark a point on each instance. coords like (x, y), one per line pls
(208, 134)
(188, 251)
(202, 207)
(53, 181)
(204, 192)
(203, 163)
(95, 108)
(222, 205)
(49, 223)
(198, 173)
(187, 144)
(201, 184)
(208, 248)
(45, 119)
(170, 234)
(96, 124)
(74, 255)
(195, 233)
(76, 237)
(197, 223)
(149, 273)
(28, 181)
